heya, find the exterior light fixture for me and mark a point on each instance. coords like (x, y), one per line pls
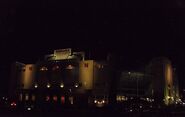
(28, 108)
(48, 85)
(103, 101)
(61, 85)
(95, 101)
(76, 85)
(43, 69)
(36, 86)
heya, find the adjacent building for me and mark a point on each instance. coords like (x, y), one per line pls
(157, 83)
(133, 84)
(164, 85)
(68, 78)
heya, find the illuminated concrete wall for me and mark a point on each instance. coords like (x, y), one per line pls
(28, 76)
(162, 80)
(57, 73)
(86, 74)
(62, 54)
(168, 89)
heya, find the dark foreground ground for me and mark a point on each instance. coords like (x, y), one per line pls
(92, 113)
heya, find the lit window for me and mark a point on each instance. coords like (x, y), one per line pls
(71, 100)
(43, 69)
(33, 98)
(99, 66)
(47, 98)
(86, 64)
(56, 67)
(69, 67)
(55, 98)
(121, 98)
(20, 97)
(62, 99)
(26, 97)
(30, 68)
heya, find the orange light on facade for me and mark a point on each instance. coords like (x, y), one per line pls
(33, 98)
(26, 97)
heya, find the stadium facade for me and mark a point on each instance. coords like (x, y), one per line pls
(67, 78)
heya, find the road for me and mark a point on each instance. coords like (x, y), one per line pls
(90, 113)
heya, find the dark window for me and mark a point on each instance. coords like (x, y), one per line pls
(30, 68)
(86, 64)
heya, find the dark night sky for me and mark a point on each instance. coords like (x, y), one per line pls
(135, 30)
